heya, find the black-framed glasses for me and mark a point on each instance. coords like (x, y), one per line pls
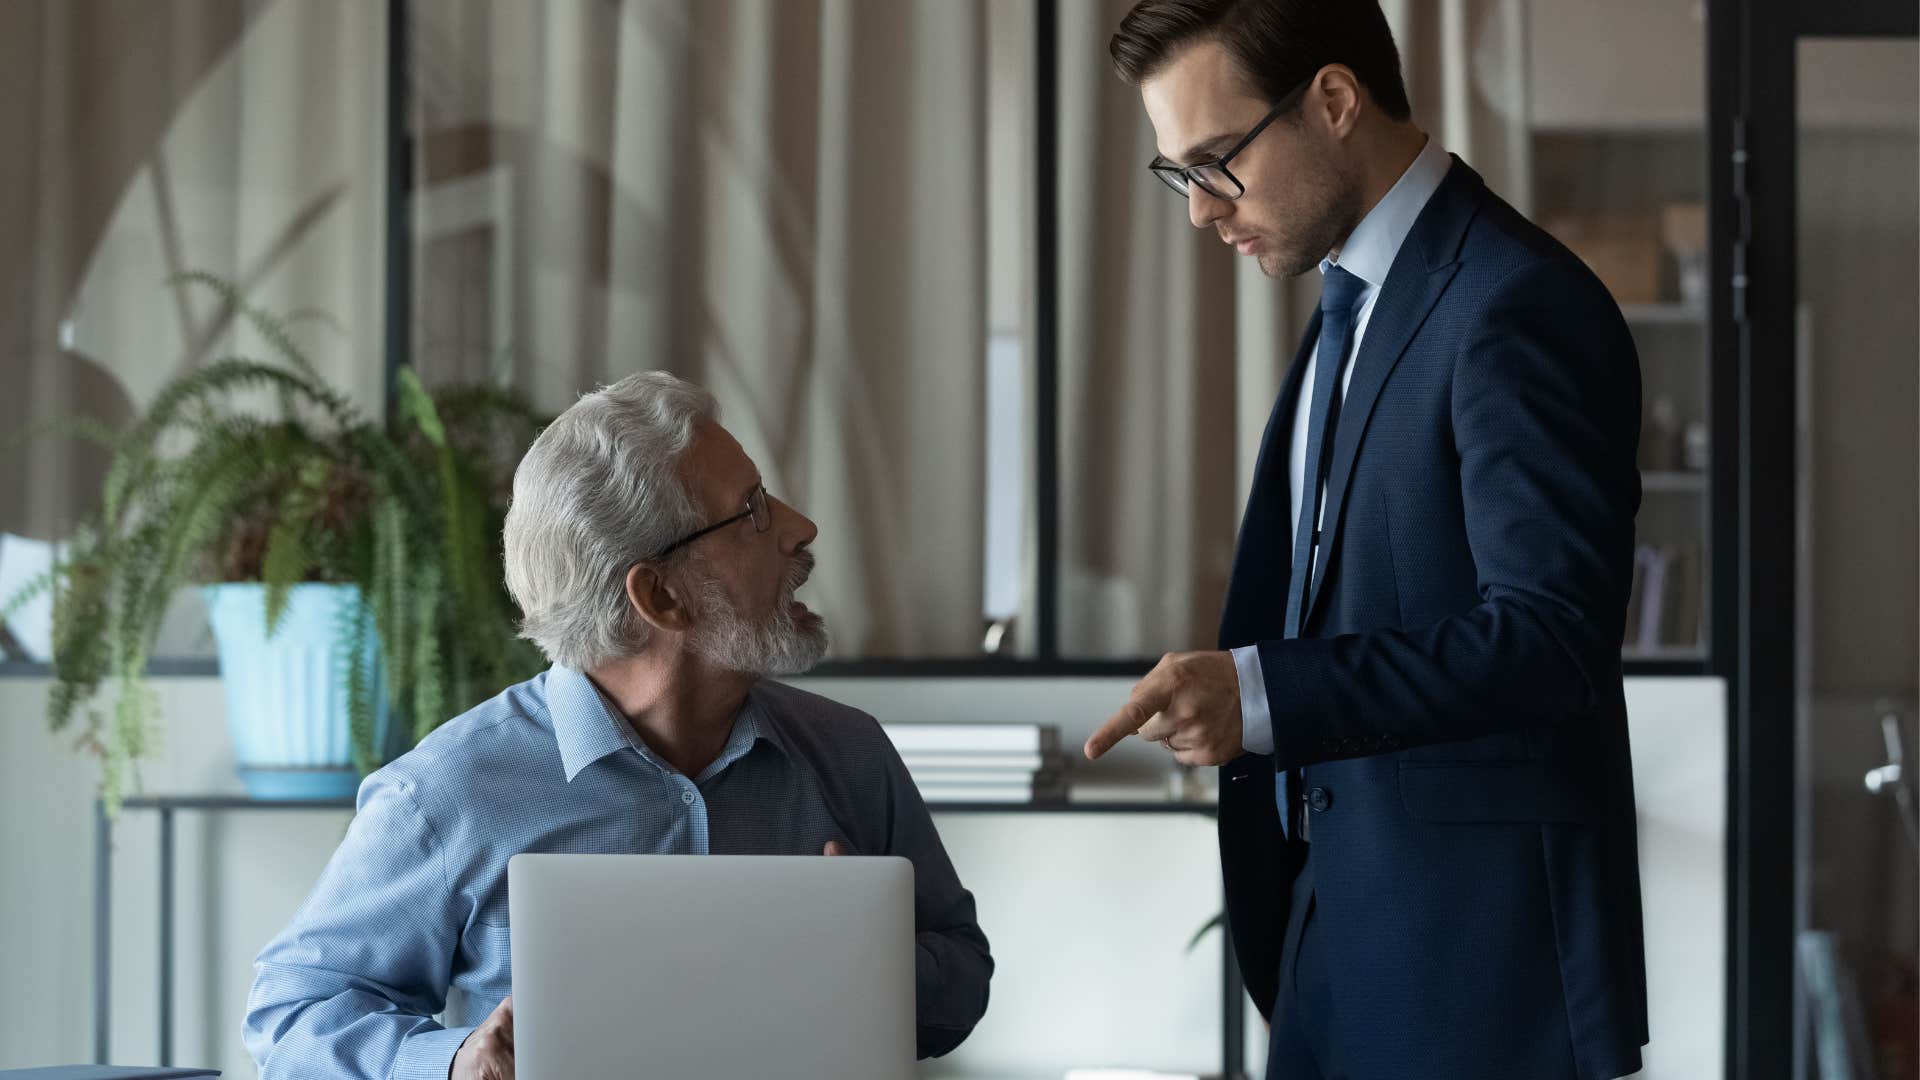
(756, 509)
(1212, 176)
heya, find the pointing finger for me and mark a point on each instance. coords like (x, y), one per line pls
(1147, 700)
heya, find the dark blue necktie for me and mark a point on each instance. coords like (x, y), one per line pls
(1339, 295)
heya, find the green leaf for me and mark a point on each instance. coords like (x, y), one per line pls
(417, 405)
(390, 578)
(39, 583)
(134, 466)
(1219, 919)
(84, 428)
(351, 628)
(289, 555)
(429, 672)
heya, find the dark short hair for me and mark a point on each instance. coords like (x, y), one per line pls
(1280, 43)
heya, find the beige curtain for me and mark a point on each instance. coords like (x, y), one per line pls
(1170, 355)
(780, 199)
(1467, 72)
(156, 137)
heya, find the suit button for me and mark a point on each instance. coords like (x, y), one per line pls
(1319, 798)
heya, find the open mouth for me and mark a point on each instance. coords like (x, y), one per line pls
(796, 577)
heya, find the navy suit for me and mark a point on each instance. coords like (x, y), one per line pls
(1454, 698)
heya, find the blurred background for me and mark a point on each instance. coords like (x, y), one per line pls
(913, 249)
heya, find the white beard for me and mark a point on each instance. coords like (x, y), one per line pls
(778, 646)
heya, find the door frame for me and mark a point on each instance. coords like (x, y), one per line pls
(1753, 100)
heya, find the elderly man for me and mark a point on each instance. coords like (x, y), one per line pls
(658, 575)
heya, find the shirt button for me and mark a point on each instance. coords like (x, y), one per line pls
(687, 797)
(1319, 799)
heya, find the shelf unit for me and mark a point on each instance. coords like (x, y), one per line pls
(1613, 185)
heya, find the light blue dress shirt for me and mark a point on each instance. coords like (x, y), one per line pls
(1368, 254)
(402, 947)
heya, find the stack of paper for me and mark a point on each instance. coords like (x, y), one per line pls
(999, 763)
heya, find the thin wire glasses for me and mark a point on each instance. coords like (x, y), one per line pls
(756, 509)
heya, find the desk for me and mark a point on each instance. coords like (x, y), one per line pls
(1233, 1011)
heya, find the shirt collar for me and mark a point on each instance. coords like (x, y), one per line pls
(587, 727)
(1369, 252)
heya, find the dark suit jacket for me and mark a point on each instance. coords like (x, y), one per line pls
(1455, 697)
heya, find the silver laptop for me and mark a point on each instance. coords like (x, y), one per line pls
(671, 967)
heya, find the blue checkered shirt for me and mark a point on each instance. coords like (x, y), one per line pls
(402, 947)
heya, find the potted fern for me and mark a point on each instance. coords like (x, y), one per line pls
(351, 567)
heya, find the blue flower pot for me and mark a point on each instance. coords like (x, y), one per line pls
(286, 700)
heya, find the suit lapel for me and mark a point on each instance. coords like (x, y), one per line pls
(1420, 273)
(1272, 468)
(1263, 557)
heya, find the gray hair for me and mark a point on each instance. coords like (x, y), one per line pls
(598, 491)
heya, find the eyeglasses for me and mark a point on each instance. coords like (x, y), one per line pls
(756, 509)
(1212, 177)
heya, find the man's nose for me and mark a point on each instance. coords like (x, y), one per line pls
(794, 529)
(1204, 209)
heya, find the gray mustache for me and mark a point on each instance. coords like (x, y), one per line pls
(800, 571)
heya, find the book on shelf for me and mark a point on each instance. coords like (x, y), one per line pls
(926, 739)
(962, 777)
(1002, 763)
(1011, 794)
(1650, 590)
(1665, 607)
(1681, 625)
(1049, 787)
(1654, 614)
(982, 763)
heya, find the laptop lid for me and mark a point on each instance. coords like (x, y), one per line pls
(683, 966)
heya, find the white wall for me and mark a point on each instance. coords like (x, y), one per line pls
(1089, 916)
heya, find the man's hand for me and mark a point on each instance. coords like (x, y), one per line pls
(487, 1054)
(835, 847)
(1190, 702)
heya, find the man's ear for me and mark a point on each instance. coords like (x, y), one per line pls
(1341, 98)
(658, 601)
